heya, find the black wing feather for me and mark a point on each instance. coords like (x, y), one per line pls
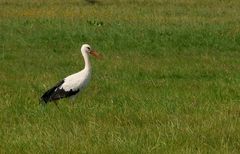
(55, 93)
(47, 95)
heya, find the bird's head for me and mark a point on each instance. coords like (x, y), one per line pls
(86, 48)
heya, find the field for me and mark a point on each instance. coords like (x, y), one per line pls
(168, 82)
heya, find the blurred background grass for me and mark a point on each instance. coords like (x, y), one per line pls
(169, 81)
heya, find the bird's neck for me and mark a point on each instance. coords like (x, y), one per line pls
(86, 61)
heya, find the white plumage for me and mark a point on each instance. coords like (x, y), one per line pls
(73, 84)
(76, 81)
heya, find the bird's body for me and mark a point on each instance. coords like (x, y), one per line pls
(76, 81)
(73, 84)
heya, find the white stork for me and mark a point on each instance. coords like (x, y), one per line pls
(72, 84)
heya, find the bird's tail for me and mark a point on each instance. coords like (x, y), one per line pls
(45, 98)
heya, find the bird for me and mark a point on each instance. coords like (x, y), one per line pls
(73, 84)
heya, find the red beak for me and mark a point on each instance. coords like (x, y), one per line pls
(95, 54)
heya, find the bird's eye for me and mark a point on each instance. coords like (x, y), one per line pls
(88, 48)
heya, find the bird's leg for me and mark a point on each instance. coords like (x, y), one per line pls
(56, 104)
(42, 106)
(72, 98)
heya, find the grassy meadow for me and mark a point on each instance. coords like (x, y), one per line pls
(169, 80)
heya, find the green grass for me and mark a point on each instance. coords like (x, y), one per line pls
(169, 80)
